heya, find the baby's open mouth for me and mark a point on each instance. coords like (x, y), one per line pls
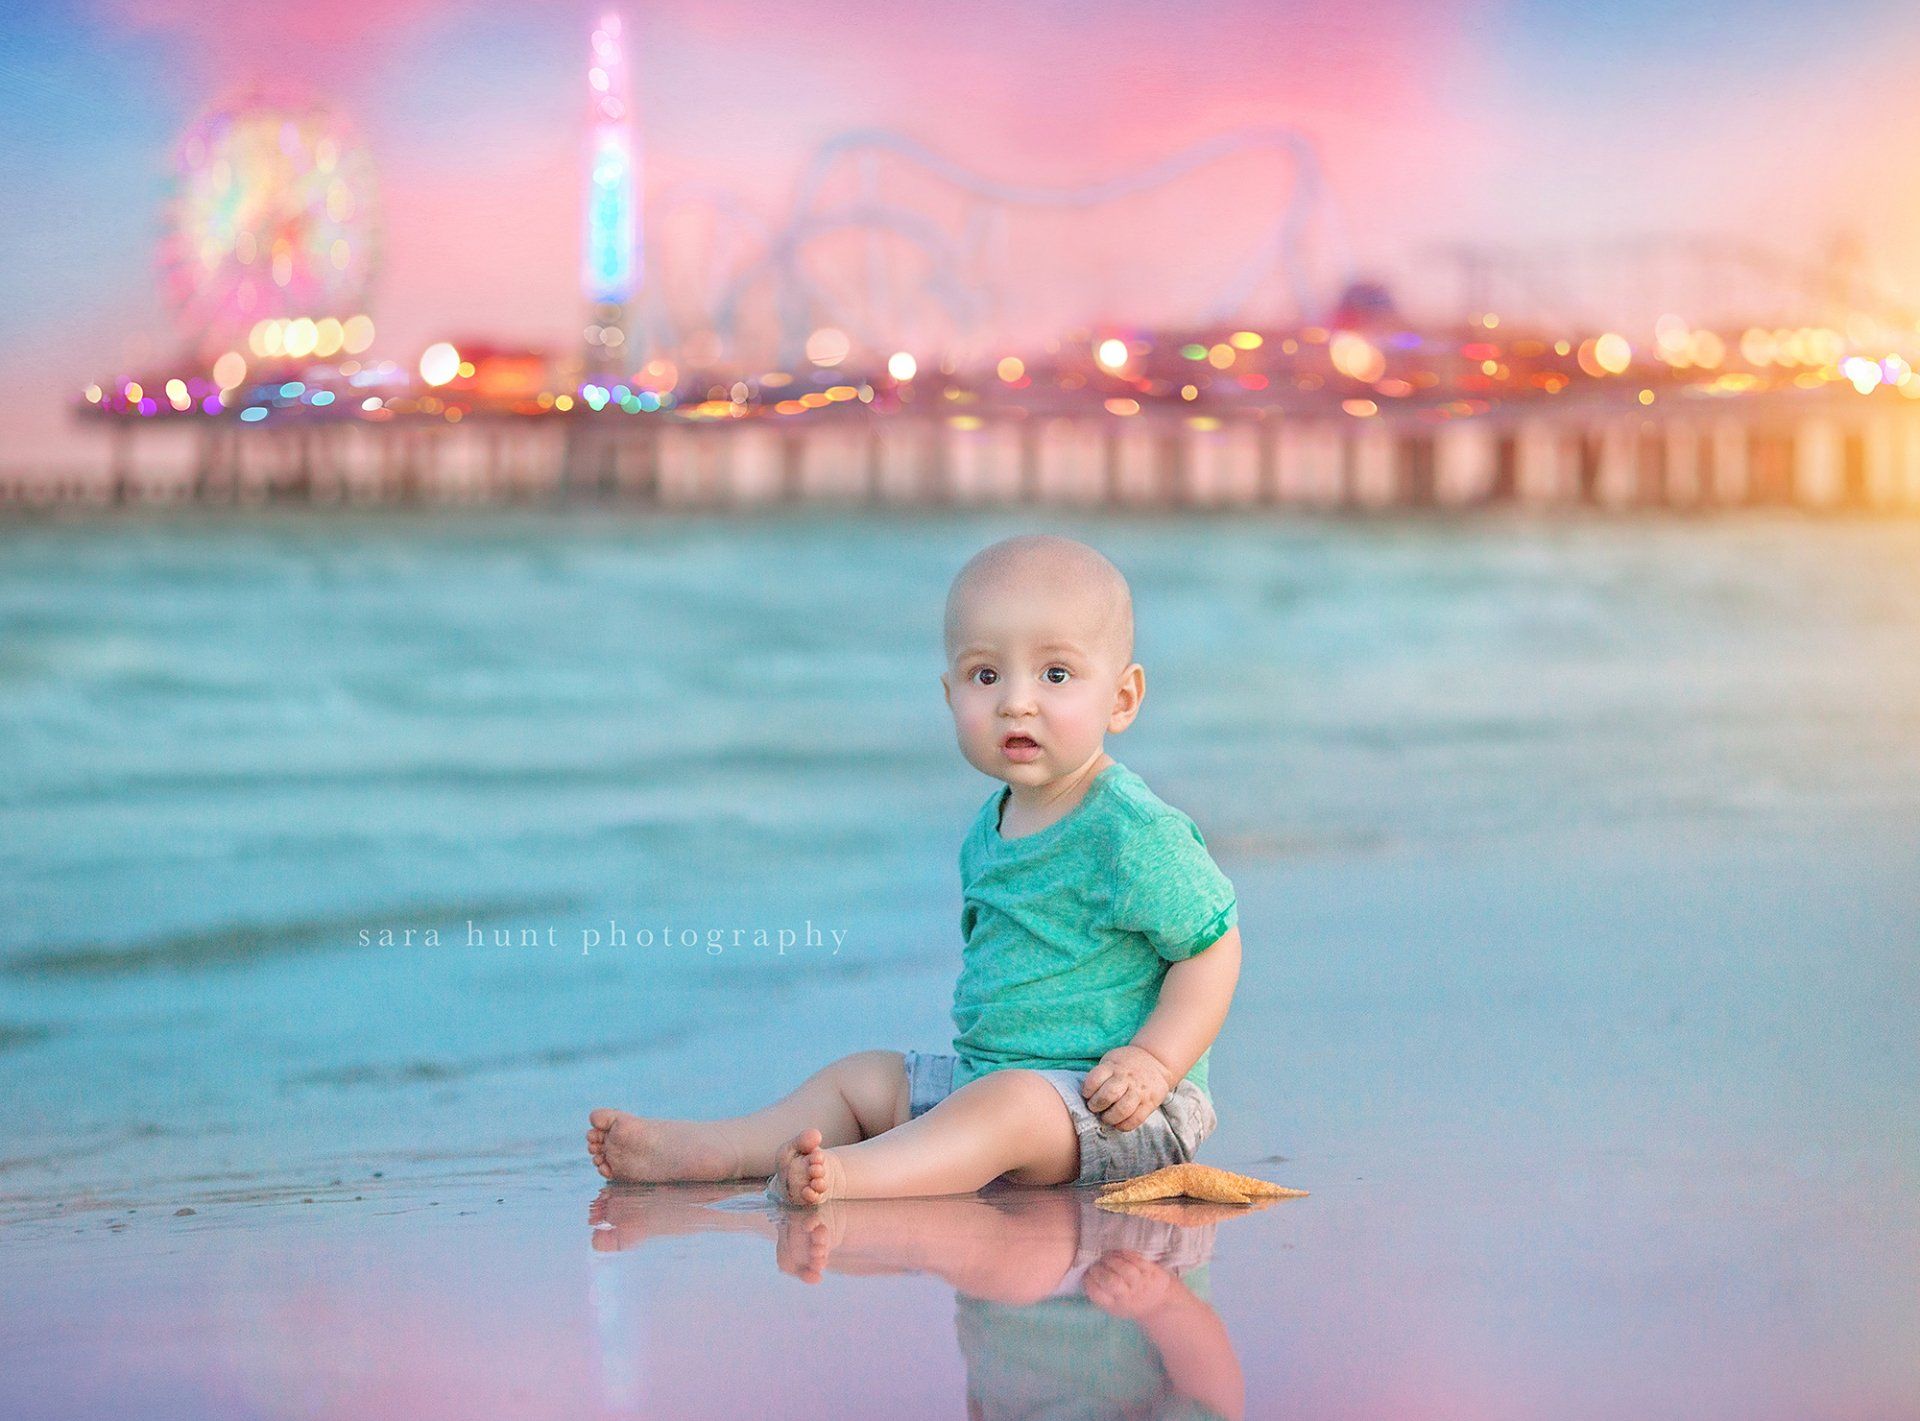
(1020, 747)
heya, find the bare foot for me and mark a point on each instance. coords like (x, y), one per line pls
(807, 1239)
(804, 1173)
(622, 1218)
(630, 1149)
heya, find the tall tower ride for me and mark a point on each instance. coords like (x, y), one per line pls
(612, 246)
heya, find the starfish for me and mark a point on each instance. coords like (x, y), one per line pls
(1193, 1181)
(1186, 1213)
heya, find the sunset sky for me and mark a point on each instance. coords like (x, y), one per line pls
(1443, 121)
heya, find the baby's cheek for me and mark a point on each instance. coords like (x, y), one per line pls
(973, 730)
(1090, 712)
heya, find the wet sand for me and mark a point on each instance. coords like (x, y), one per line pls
(1580, 874)
(1669, 1175)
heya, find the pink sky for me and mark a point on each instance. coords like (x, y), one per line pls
(1435, 122)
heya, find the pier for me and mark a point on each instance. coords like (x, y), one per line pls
(1815, 449)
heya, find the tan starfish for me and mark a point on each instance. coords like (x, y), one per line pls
(1185, 1213)
(1194, 1181)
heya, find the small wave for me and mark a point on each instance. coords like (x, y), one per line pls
(14, 1036)
(673, 765)
(431, 1072)
(755, 1202)
(245, 943)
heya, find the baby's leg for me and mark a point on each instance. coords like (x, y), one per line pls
(1010, 1122)
(1010, 1248)
(854, 1098)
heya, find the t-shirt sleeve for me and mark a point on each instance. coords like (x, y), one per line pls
(1170, 889)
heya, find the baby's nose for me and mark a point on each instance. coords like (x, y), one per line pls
(1018, 699)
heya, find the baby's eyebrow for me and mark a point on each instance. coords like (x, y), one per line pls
(977, 649)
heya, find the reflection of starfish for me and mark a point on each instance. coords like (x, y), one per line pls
(1185, 1213)
(1194, 1181)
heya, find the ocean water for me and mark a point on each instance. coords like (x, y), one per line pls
(1580, 876)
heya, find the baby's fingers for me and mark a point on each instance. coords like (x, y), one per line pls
(1095, 1078)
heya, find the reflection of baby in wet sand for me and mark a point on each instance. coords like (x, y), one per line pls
(1101, 941)
(1064, 1309)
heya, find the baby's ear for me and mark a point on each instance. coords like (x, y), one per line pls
(1127, 697)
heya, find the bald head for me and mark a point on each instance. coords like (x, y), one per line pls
(1056, 574)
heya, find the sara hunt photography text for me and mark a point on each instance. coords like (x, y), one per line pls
(615, 934)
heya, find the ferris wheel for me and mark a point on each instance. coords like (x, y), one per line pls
(274, 214)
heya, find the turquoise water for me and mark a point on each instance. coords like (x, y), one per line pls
(1579, 864)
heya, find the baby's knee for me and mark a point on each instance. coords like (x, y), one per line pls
(875, 1085)
(1018, 1089)
(1048, 1148)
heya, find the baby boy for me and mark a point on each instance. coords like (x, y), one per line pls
(1101, 946)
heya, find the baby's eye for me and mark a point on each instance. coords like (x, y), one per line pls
(985, 675)
(1061, 679)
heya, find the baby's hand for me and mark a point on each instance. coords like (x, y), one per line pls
(1126, 1284)
(1126, 1087)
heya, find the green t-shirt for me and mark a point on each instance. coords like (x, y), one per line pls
(1062, 1358)
(1070, 931)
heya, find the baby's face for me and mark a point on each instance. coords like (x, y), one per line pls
(1035, 683)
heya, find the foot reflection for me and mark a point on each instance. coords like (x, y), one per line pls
(1062, 1309)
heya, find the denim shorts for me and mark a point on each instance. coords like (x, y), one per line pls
(1168, 1136)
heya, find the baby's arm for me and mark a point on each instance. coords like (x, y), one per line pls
(1193, 1006)
(1131, 1081)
